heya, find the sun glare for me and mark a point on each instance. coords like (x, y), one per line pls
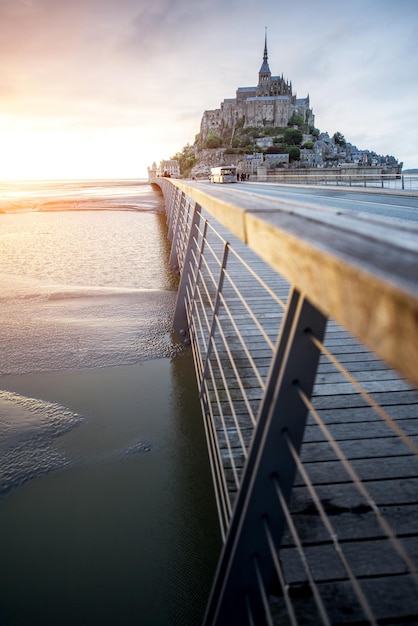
(47, 155)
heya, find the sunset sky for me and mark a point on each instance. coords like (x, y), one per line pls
(102, 88)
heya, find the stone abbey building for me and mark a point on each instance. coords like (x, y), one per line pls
(270, 103)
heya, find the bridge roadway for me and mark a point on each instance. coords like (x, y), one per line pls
(395, 205)
(349, 554)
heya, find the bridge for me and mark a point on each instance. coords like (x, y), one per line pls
(301, 309)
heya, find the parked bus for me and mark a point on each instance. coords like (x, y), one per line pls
(224, 174)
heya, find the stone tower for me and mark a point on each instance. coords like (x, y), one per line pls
(270, 103)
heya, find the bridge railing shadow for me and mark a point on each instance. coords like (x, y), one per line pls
(304, 332)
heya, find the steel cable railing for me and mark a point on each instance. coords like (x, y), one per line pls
(222, 379)
(394, 182)
(212, 296)
(341, 502)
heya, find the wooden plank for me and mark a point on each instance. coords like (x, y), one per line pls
(353, 524)
(365, 558)
(332, 472)
(361, 414)
(369, 386)
(393, 600)
(359, 430)
(384, 492)
(351, 401)
(360, 449)
(361, 376)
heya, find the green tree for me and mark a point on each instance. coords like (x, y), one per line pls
(277, 149)
(296, 120)
(212, 141)
(339, 139)
(294, 153)
(269, 131)
(186, 159)
(293, 137)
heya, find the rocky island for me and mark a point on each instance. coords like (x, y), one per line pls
(267, 130)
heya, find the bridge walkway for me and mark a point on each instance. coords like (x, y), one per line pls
(348, 553)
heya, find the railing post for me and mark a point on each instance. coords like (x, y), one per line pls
(173, 261)
(180, 318)
(282, 415)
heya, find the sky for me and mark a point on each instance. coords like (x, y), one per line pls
(102, 88)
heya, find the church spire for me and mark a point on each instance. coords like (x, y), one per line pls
(265, 46)
(264, 73)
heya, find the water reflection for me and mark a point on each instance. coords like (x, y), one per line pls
(119, 537)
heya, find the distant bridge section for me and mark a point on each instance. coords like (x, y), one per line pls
(303, 320)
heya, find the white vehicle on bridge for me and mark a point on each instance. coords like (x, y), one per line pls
(224, 174)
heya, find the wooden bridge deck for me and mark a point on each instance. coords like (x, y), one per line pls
(379, 454)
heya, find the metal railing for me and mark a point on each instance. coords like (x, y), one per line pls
(312, 438)
(395, 182)
(233, 340)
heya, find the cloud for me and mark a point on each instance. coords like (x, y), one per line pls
(103, 66)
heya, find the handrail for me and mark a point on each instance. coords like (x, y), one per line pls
(274, 369)
(365, 277)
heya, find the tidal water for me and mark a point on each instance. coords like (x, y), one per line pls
(107, 513)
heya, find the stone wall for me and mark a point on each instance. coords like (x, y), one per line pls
(212, 158)
(315, 174)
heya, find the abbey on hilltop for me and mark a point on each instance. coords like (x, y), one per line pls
(271, 102)
(267, 130)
